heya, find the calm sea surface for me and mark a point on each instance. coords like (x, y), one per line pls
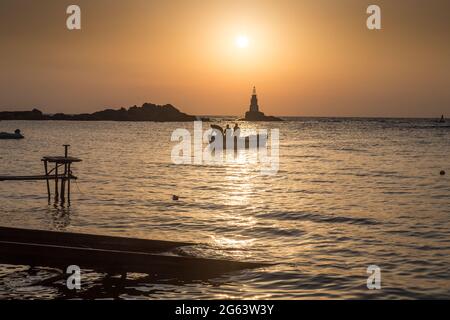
(349, 193)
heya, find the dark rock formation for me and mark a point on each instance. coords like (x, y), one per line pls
(148, 112)
(35, 114)
(259, 116)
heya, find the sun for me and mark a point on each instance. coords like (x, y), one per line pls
(242, 41)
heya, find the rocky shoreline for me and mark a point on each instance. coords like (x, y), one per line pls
(147, 112)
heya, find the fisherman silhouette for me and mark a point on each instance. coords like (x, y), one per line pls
(237, 130)
(228, 131)
(442, 119)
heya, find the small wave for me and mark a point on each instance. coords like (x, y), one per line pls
(350, 149)
(429, 127)
(276, 231)
(319, 218)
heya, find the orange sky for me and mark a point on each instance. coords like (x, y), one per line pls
(307, 58)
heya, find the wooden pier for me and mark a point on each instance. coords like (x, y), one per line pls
(113, 255)
(61, 179)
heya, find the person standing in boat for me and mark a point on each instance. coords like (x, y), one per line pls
(236, 130)
(228, 131)
(236, 135)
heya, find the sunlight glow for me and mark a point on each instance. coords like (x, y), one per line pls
(242, 41)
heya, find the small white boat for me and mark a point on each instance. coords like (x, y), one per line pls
(15, 135)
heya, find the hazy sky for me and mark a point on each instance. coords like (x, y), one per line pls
(311, 57)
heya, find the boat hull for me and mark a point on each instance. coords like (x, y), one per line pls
(248, 142)
(10, 136)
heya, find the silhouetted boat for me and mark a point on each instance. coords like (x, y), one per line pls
(247, 142)
(15, 135)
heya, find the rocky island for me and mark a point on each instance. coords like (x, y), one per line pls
(148, 112)
(254, 114)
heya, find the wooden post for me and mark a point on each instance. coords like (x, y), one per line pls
(48, 182)
(68, 183)
(66, 150)
(65, 175)
(63, 183)
(56, 182)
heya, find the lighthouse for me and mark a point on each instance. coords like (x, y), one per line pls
(254, 102)
(253, 114)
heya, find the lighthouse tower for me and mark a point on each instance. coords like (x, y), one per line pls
(253, 114)
(254, 102)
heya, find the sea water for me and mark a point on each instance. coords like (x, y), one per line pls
(349, 193)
